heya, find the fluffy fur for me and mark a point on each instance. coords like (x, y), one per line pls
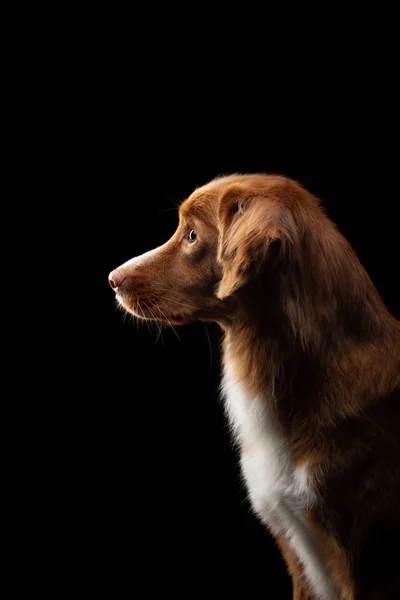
(311, 373)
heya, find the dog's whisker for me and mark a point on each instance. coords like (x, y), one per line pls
(209, 343)
(169, 323)
(152, 313)
(174, 208)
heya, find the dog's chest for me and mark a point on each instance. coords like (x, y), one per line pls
(279, 492)
(267, 467)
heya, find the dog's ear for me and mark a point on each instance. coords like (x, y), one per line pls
(248, 225)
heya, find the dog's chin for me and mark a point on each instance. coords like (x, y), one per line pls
(154, 315)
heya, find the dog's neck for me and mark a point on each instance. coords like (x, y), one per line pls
(315, 349)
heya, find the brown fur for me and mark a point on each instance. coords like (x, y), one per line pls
(304, 321)
(299, 588)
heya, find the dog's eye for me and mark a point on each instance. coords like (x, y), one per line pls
(192, 236)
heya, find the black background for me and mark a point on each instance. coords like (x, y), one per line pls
(151, 491)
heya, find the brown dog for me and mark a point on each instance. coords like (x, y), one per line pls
(311, 373)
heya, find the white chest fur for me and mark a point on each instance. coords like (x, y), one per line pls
(278, 491)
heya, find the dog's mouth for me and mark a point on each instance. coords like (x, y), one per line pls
(150, 311)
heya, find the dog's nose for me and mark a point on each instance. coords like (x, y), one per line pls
(116, 278)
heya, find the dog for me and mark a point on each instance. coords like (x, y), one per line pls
(311, 372)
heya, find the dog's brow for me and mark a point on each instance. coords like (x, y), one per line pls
(200, 208)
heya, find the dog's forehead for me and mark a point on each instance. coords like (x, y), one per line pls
(201, 204)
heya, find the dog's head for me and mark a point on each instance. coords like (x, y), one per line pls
(224, 237)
